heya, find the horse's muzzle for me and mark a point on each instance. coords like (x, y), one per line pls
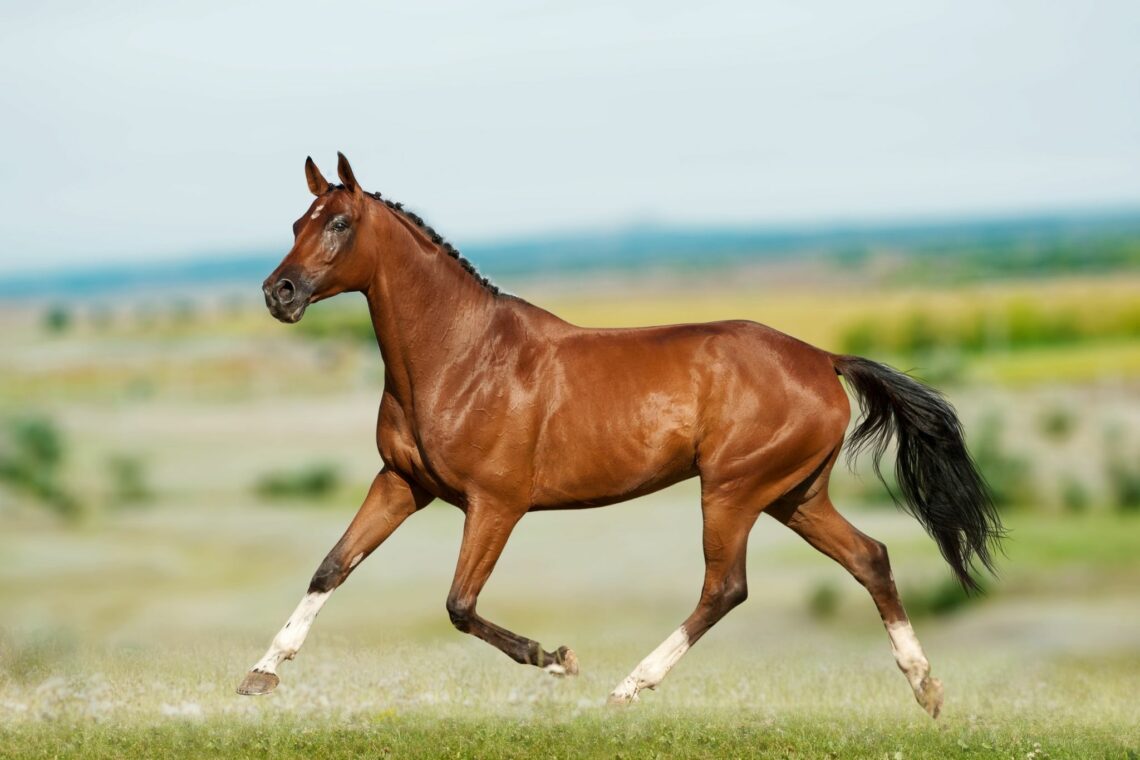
(286, 297)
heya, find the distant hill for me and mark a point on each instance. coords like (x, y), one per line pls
(976, 247)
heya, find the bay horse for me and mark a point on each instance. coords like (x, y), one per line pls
(501, 408)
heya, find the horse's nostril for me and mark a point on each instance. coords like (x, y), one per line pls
(285, 291)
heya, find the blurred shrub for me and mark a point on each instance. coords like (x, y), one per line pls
(57, 319)
(942, 598)
(1027, 324)
(315, 481)
(1057, 422)
(823, 601)
(32, 453)
(1075, 495)
(940, 366)
(128, 485)
(919, 334)
(1124, 484)
(1008, 475)
(861, 338)
(1013, 324)
(1122, 470)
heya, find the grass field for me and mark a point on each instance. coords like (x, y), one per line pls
(650, 732)
(129, 639)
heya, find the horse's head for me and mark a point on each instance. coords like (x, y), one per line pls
(325, 259)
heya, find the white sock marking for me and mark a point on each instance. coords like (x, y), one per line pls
(653, 669)
(908, 653)
(289, 639)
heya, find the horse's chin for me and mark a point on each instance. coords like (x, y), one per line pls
(289, 316)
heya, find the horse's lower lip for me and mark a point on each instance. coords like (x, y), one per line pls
(289, 316)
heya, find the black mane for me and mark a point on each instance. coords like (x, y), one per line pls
(438, 239)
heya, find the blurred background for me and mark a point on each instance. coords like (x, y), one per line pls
(951, 188)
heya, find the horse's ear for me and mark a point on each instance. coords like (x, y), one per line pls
(344, 171)
(318, 185)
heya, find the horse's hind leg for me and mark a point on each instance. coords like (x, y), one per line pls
(726, 529)
(817, 521)
(389, 501)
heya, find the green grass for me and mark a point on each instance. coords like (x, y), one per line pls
(634, 734)
(467, 701)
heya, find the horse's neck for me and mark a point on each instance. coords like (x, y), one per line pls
(426, 310)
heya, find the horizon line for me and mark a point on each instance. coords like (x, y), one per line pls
(934, 220)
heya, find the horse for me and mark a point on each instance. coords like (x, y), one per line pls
(501, 408)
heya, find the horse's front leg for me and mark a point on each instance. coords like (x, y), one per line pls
(390, 499)
(485, 533)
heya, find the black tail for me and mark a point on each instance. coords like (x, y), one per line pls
(940, 484)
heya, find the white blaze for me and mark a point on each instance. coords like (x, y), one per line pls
(290, 638)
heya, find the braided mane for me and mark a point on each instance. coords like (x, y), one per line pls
(438, 239)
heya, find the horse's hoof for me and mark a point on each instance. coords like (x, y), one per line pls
(568, 660)
(257, 682)
(624, 694)
(930, 696)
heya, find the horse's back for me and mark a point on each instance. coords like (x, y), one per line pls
(629, 410)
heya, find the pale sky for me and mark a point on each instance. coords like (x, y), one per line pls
(139, 130)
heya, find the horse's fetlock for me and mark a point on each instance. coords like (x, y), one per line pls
(461, 611)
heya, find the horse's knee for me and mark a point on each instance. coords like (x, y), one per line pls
(329, 575)
(719, 600)
(461, 611)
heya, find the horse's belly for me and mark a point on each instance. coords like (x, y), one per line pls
(601, 458)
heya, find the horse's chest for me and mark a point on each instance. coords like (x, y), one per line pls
(420, 452)
(396, 441)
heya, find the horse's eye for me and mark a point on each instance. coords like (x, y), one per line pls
(339, 225)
